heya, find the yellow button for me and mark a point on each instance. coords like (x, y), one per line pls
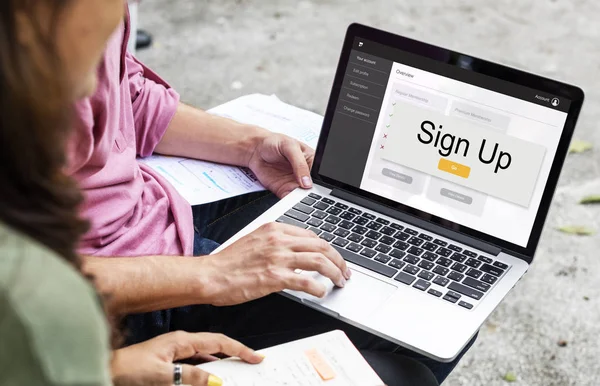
(454, 168)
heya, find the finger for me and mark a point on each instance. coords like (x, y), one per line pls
(209, 343)
(292, 151)
(203, 358)
(194, 376)
(295, 231)
(317, 262)
(304, 283)
(323, 247)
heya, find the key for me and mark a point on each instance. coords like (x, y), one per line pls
(383, 248)
(347, 216)
(444, 252)
(374, 225)
(401, 245)
(411, 231)
(346, 224)
(303, 208)
(366, 263)
(308, 201)
(397, 226)
(340, 242)
(396, 263)
(327, 236)
(489, 279)
(321, 205)
(360, 230)
(445, 262)
(474, 273)
(471, 262)
(354, 211)
(405, 278)
(415, 251)
(315, 196)
(355, 238)
(341, 206)
(388, 231)
(360, 221)
(397, 253)
(429, 246)
(411, 259)
(341, 232)
(289, 221)
(426, 275)
(387, 240)
(333, 220)
(328, 227)
(422, 285)
(485, 259)
(320, 215)
(315, 222)
(466, 305)
(435, 293)
(441, 281)
(369, 243)
(368, 252)
(382, 221)
(328, 201)
(469, 253)
(441, 270)
(429, 256)
(455, 248)
(467, 291)
(450, 299)
(439, 242)
(458, 257)
(382, 258)
(478, 285)
(334, 211)
(416, 241)
(455, 276)
(425, 237)
(297, 215)
(411, 269)
(491, 269)
(369, 216)
(401, 236)
(373, 235)
(426, 264)
(500, 265)
(354, 247)
(317, 231)
(459, 267)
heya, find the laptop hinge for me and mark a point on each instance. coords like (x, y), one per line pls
(434, 228)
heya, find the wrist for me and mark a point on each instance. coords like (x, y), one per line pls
(255, 136)
(210, 283)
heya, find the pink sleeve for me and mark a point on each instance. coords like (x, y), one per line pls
(154, 105)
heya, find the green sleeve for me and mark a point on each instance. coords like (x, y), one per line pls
(52, 330)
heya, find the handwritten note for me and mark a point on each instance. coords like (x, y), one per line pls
(289, 365)
(202, 182)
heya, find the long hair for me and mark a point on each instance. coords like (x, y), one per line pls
(36, 197)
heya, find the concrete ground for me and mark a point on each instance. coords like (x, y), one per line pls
(213, 51)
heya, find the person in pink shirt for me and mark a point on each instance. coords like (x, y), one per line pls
(144, 235)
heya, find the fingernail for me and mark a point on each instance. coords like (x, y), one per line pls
(306, 182)
(342, 283)
(348, 273)
(261, 355)
(213, 380)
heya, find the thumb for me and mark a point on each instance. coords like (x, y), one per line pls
(292, 151)
(194, 376)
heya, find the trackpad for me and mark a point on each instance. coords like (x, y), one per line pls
(362, 295)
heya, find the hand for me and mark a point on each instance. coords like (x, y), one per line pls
(264, 262)
(151, 363)
(282, 164)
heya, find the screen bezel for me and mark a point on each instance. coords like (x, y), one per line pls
(561, 90)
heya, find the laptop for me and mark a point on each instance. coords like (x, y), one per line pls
(433, 177)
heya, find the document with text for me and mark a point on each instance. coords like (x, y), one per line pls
(201, 182)
(327, 359)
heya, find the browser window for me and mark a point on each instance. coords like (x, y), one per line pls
(459, 151)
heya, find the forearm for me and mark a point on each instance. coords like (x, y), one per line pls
(197, 134)
(150, 283)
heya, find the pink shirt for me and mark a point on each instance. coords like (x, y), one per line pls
(133, 210)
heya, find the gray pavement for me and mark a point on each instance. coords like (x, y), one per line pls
(213, 51)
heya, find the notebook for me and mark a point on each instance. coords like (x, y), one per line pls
(328, 359)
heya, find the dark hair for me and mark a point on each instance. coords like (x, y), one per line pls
(36, 197)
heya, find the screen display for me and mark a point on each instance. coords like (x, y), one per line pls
(462, 146)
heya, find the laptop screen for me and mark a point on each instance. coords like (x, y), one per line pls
(463, 146)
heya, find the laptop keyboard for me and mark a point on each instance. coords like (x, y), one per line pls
(399, 252)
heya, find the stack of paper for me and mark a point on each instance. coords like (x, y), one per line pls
(329, 359)
(202, 182)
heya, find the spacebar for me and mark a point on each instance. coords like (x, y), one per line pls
(366, 263)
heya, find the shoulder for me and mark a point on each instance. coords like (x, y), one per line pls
(54, 317)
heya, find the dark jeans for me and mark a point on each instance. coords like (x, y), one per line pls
(274, 319)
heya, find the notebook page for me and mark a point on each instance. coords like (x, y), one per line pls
(289, 365)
